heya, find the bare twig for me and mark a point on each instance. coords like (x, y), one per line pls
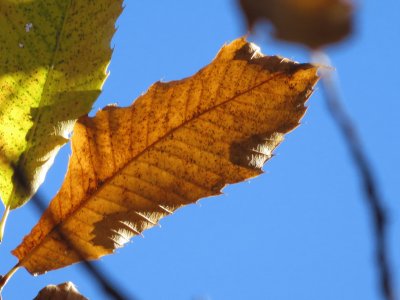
(369, 184)
(95, 272)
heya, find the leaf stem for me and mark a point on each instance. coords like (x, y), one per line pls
(3, 222)
(4, 279)
(369, 183)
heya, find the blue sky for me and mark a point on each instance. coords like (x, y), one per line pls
(301, 230)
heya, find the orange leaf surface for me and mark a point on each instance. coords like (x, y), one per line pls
(179, 142)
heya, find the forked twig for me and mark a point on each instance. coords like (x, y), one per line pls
(369, 183)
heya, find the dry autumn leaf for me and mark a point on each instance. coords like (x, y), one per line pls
(179, 142)
(63, 291)
(313, 23)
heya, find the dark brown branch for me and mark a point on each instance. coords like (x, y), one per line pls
(369, 183)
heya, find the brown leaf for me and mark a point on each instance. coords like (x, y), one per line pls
(179, 142)
(313, 23)
(63, 291)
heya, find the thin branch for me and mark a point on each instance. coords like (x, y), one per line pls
(369, 183)
(94, 271)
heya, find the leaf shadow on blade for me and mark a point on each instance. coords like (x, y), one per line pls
(54, 56)
(41, 151)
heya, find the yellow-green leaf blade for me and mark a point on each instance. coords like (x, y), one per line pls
(53, 63)
(179, 142)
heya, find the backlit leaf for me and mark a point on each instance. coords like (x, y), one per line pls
(179, 142)
(53, 58)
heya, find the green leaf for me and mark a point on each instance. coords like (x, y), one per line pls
(54, 55)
